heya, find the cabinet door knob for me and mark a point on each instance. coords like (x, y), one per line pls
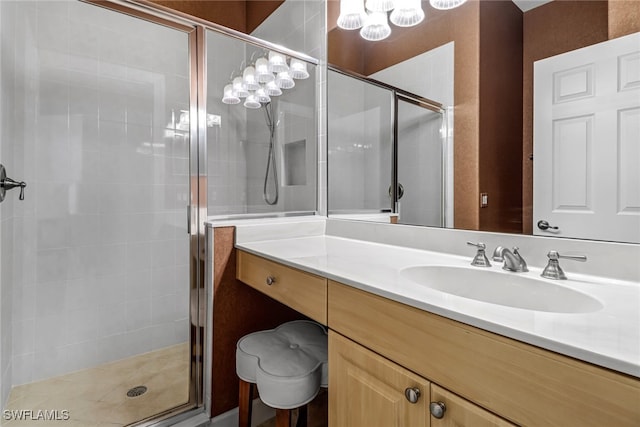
(412, 394)
(437, 409)
(271, 280)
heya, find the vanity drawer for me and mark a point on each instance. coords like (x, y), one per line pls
(301, 291)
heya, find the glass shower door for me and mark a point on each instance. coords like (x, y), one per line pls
(96, 121)
(420, 164)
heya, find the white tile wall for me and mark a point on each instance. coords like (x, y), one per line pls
(429, 75)
(7, 17)
(100, 251)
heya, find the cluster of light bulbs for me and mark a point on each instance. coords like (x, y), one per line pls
(264, 79)
(373, 23)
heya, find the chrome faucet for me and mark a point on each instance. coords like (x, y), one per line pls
(513, 261)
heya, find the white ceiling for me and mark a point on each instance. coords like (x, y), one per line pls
(525, 5)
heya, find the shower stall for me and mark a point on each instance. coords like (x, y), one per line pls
(112, 115)
(389, 153)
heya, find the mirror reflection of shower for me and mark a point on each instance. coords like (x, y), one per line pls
(262, 79)
(271, 157)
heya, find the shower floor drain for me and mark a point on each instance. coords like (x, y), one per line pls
(137, 391)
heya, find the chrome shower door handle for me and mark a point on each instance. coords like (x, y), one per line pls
(7, 183)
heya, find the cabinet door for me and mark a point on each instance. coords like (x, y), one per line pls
(366, 389)
(461, 413)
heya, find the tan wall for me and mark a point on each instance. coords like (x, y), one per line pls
(501, 116)
(624, 17)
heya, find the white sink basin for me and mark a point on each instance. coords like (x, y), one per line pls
(503, 288)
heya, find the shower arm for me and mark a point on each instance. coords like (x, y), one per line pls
(7, 183)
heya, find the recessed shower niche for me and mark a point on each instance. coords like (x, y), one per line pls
(295, 166)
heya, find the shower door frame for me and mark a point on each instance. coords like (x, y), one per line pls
(400, 95)
(197, 207)
(197, 210)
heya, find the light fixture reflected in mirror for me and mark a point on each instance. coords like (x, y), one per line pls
(263, 73)
(229, 97)
(239, 89)
(273, 89)
(277, 62)
(249, 78)
(376, 27)
(252, 102)
(373, 22)
(380, 5)
(298, 69)
(284, 80)
(445, 4)
(407, 13)
(263, 79)
(352, 14)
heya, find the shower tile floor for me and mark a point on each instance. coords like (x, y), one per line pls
(98, 396)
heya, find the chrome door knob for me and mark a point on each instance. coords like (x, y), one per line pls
(437, 409)
(412, 394)
(271, 280)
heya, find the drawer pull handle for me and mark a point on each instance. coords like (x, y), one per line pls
(412, 394)
(437, 409)
(271, 280)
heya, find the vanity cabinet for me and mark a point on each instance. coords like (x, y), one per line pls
(303, 292)
(368, 390)
(380, 348)
(521, 383)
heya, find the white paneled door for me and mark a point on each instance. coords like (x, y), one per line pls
(587, 142)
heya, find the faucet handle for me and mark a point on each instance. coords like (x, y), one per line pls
(553, 269)
(480, 260)
(555, 255)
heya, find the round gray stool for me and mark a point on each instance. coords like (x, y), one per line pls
(288, 365)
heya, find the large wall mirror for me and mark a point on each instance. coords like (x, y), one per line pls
(477, 62)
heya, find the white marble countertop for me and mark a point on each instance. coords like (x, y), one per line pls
(609, 337)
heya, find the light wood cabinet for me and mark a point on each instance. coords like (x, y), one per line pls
(378, 348)
(303, 292)
(461, 413)
(521, 383)
(368, 390)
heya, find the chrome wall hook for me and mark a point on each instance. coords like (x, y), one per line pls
(8, 184)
